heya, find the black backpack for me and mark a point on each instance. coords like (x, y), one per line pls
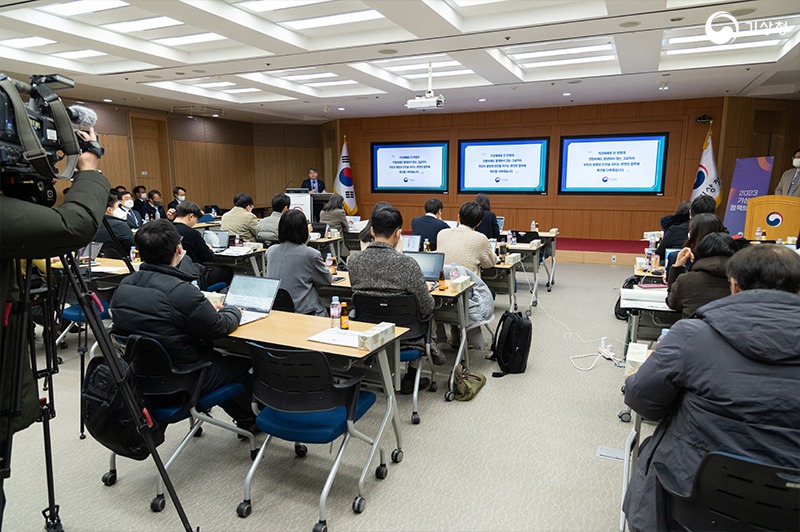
(107, 417)
(512, 343)
(619, 312)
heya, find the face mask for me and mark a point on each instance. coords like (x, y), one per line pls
(181, 198)
(128, 204)
(143, 195)
(119, 213)
(796, 162)
(157, 203)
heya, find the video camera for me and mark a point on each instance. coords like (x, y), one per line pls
(29, 149)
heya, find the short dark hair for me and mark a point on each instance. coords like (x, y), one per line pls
(715, 245)
(157, 241)
(176, 189)
(153, 193)
(124, 192)
(795, 151)
(386, 221)
(703, 203)
(336, 202)
(137, 188)
(186, 208)
(470, 214)
(482, 199)
(112, 200)
(120, 188)
(701, 225)
(293, 227)
(366, 235)
(280, 202)
(314, 168)
(766, 266)
(242, 200)
(433, 206)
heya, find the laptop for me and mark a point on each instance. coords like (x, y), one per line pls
(527, 237)
(411, 242)
(353, 219)
(90, 252)
(254, 295)
(218, 240)
(431, 264)
(452, 223)
(501, 220)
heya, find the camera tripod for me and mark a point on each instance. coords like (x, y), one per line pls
(12, 354)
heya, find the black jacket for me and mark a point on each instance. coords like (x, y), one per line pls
(123, 233)
(160, 302)
(427, 227)
(674, 237)
(194, 244)
(489, 225)
(134, 219)
(149, 210)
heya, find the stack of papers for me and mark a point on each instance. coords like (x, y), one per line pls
(334, 336)
(235, 251)
(650, 299)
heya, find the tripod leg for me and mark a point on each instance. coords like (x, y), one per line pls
(52, 522)
(82, 353)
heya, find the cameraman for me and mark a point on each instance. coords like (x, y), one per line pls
(31, 231)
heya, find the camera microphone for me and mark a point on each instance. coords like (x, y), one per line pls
(82, 116)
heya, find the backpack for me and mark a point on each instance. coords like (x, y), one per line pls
(619, 312)
(512, 343)
(106, 415)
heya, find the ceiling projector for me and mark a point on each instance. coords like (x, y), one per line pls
(429, 101)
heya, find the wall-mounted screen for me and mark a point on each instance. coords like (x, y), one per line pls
(409, 167)
(508, 165)
(618, 164)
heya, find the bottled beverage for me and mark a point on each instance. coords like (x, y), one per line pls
(652, 242)
(763, 235)
(237, 240)
(345, 317)
(146, 218)
(442, 284)
(758, 233)
(333, 265)
(661, 336)
(327, 231)
(427, 246)
(533, 225)
(213, 212)
(336, 311)
(133, 253)
(513, 238)
(501, 251)
(453, 271)
(328, 261)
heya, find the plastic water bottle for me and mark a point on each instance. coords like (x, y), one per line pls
(327, 231)
(661, 336)
(213, 212)
(146, 218)
(133, 253)
(328, 262)
(758, 233)
(237, 240)
(512, 239)
(453, 271)
(533, 225)
(336, 312)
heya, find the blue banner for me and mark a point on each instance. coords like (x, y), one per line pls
(750, 180)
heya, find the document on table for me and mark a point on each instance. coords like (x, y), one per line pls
(109, 269)
(650, 299)
(236, 251)
(334, 336)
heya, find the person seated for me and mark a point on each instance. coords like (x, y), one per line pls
(699, 226)
(299, 267)
(139, 198)
(463, 245)
(726, 381)
(240, 220)
(488, 225)
(159, 301)
(116, 220)
(133, 218)
(381, 269)
(153, 209)
(178, 197)
(333, 216)
(428, 225)
(681, 215)
(687, 291)
(186, 216)
(676, 234)
(267, 228)
(366, 237)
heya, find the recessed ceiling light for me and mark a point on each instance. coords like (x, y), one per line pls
(332, 83)
(676, 19)
(333, 20)
(481, 99)
(215, 84)
(575, 61)
(107, 100)
(243, 90)
(306, 77)
(190, 39)
(629, 24)
(341, 108)
(69, 9)
(142, 24)
(563, 51)
(387, 51)
(259, 6)
(215, 116)
(724, 47)
(444, 74)
(79, 54)
(566, 94)
(26, 42)
(664, 86)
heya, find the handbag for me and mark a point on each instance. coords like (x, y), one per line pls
(467, 383)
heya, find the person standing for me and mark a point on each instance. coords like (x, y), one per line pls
(789, 185)
(313, 183)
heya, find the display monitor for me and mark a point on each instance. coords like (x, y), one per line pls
(409, 166)
(504, 165)
(613, 164)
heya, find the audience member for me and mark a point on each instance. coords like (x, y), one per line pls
(381, 269)
(699, 226)
(725, 382)
(488, 225)
(240, 220)
(789, 184)
(186, 216)
(267, 228)
(688, 291)
(299, 267)
(681, 215)
(334, 216)
(119, 189)
(132, 216)
(139, 198)
(160, 302)
(153, 209)
(366, 236)
(116, 220)
(677, 233)
(178, 197)
(463, 245)
(428, 225)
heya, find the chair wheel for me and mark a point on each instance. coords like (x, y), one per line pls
(110, 478)
(62, 345)
(449, 396)
(624, 416)
(244, 509)
(397, 456)
(158, 503)
(415, 418)
(82, 436)
(321, 527)
(381, 471)
(253, 454)
(199, 432)
(433, 386)
(359, 503)
(59, 359)
(300, 450)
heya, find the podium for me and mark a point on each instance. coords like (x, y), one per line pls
(779, 216)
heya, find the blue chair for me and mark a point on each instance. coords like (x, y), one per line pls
(297, 400)
(172, 394)
(731, 493)
(402, 310)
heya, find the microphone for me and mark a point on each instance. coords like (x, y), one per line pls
(82, 116)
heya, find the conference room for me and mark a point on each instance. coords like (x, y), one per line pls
(588, 119)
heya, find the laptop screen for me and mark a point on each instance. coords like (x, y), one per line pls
(91, 251)
(252, 293)
(216, 239)
(501, 220)
(411, 242)
(430, 263)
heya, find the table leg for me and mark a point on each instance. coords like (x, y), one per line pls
(551, 272)
(391, 408)
(535, 268)
(254, 265)
(512, 294)
(463, 347)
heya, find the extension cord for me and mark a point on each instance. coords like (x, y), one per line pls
(606, 352)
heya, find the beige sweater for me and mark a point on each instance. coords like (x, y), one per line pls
(239, 221)
(465, 247)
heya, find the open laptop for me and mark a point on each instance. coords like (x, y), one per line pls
(431, 264)
(411, 242)
(501, 220)
(254, 295)
(353, 219)
(218, 240)
(90, 252)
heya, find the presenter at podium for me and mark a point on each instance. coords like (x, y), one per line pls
(313, 183)
(789, 185)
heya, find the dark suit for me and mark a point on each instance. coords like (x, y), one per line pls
(149, 210)
(122, 232)
(320, 185)
(427, 227)
(200, 253)
(138, 205)
(489, 225)
(173, 204)
(134, 219)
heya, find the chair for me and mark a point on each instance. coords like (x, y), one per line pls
(731, 493)
(283, 301)
(298, 401)
(402, 310)
(352, 241)
(172, 394)
(319, 227)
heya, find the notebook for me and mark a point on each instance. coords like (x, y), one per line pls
(501, 220)
(431, 264)
(411, 242)
(218, 240)
(254, 295)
